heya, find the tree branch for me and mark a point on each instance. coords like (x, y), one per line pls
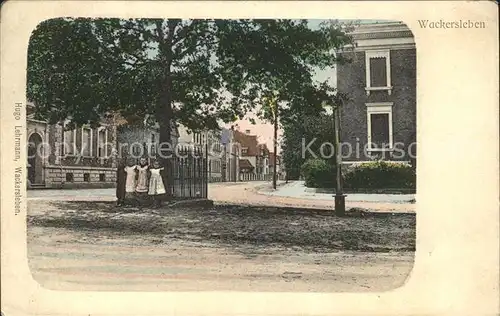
(183, 32)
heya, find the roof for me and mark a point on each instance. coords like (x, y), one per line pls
(381, 30)
(247, 141)
(245, 163)
(382, 35)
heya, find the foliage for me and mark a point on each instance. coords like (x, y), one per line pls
(193, 72)
(299, 131)
(380, 175)
(319, 173)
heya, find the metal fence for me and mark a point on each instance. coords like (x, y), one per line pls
(259, 177)
(189, 174)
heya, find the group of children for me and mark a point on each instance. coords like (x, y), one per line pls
(137, 181)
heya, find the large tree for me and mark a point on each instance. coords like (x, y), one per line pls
(193, 72)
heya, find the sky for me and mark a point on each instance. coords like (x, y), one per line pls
(265, 130)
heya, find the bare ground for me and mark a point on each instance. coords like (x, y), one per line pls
(91, 245)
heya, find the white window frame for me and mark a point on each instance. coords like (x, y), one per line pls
(379, 108)
(73, 149)
(378, 54)
(90, 149)
(105, 141)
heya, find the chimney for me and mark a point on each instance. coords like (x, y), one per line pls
(247, 132)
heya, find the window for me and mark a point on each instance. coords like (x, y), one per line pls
(86, 177)
(86, 142)
(244, 151)
(68, 147)
(102, 136)
(69, 177)
(379, 120)
(102, 177)
(378, 71)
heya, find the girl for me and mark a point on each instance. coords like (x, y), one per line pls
(130, 181)
(142, 178)
(156, 186)
(121, 176)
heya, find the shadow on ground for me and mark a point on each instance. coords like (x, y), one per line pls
(236, 225)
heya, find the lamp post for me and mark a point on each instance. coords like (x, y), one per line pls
(339, 194)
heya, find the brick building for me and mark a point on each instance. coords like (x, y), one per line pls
(379, 119)
(60, 158)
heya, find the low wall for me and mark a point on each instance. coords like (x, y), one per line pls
(74, 177)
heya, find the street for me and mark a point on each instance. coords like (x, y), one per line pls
(78, 240)
(256, 193)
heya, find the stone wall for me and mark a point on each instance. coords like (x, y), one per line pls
(56, 177)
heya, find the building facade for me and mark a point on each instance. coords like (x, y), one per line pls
(141, 140)
(378, 121)
(59, 157)
(223, 162)
(254, 157)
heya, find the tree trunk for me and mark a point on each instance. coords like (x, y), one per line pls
(164, 107)
(166, 150)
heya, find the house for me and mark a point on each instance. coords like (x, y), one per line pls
(232, 153)
(254, 157)
(59, 157)
(263, 161)
(141, 138)
(207, 140)
(378, 121)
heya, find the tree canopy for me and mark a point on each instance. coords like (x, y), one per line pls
(195, 72)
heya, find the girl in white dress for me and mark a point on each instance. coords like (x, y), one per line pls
(130, 182)
(142, 179)
(156, 186)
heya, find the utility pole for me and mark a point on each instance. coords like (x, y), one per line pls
(339, 194)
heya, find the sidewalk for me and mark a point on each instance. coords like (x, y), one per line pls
(297, 189)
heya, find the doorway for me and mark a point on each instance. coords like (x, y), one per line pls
(35, 163)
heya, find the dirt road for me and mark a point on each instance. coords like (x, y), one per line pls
(96, 246)
(65, 260)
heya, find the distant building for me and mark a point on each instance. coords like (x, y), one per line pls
(136, 138)
(254, 157)
(381, 85)
(223, 162)
(61, 158)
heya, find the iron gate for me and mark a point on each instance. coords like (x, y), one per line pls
(189, 173)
